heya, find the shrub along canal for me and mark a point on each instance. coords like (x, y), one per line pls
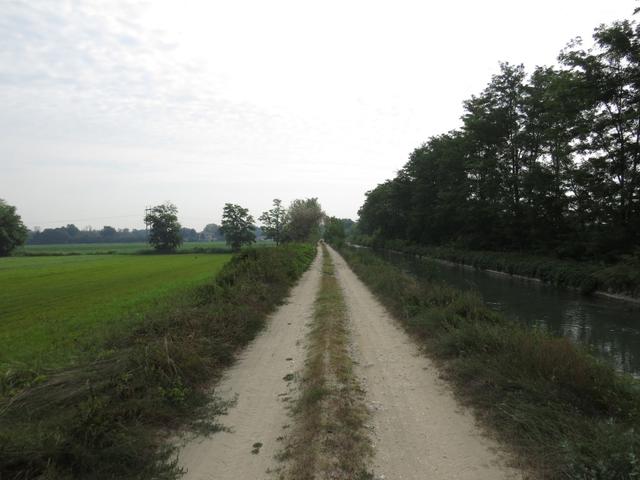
(610, 328)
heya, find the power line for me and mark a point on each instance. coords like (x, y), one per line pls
(84, 219)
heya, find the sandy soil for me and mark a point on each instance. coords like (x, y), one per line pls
(258, 381)
(420, 431)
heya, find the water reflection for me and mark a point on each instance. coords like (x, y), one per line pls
(610, 328)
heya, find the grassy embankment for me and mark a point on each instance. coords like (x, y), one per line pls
(567, 414)
(103, 418)
(329, 439)
(53, 308)
(620, 278)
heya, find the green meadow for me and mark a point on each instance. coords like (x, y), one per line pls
(108, 248)
(54, 307)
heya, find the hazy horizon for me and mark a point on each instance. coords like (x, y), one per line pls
(109, 108)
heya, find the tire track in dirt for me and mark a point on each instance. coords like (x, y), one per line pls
(420, 431)
(260, 381)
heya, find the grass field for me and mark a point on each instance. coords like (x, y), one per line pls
(106, 248)
(51, 308)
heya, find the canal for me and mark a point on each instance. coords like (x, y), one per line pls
(609, 328)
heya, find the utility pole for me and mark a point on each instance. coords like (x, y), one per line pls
(147, 211)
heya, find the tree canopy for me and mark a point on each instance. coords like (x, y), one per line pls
(164, 228)
(334, 231)
(543, 161)
(13, 232)
(237, 226)
(305, 219)
(274, 222)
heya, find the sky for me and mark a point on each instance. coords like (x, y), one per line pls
(111, 106)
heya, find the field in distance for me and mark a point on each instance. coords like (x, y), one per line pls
(52, 307)
(110, 248)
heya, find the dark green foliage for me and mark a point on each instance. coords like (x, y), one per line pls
(164, 229)
(304, 219)
(547, 162)
(237, 226)
(334, 231)
(568, 414)
(13, 233)
(587, 277)
(274, 222)
(104, 419)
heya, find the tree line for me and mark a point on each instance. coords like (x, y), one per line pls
(301, 222)
(544, 161)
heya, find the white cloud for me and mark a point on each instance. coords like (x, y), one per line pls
(122, 104)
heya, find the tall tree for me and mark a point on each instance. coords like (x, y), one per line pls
(237, 226)
(274, 222)
(13, 233)
(612, 73)
(305, 218)
(164, 228)
(334, 231)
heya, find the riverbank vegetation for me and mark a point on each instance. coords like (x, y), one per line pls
(545, 163)
(622, 278)
(567, 414)
(104, 417)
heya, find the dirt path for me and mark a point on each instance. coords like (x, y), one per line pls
(258, 379)
(420, 431)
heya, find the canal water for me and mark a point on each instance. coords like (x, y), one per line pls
(610, 328)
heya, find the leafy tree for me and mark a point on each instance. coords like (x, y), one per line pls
(274, 222)
(611, 75)
(547, 162)
(237, 226)
(164, 232)
(13, 233)
(108, 233)
(189, 234)
(305, 218)
(211, 232)
(334, 232)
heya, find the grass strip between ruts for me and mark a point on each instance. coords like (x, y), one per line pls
(329, 439)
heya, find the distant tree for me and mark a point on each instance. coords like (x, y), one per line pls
(274, 222)
(305, 218)
(72, 230)
(237, 226)
(334, 231)
(164, 232)
(108, 233)
(12, 231)
(211, 232)
(189, 234)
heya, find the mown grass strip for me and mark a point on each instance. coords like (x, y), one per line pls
(329, 439)
(55, 308)
(566, 413)
(105, 419)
